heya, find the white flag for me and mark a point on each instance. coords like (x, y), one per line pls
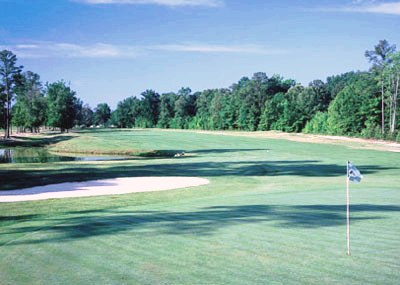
(353, 173)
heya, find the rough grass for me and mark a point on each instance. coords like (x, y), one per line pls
(274, 213)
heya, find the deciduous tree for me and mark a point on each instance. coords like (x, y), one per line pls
(102, 114)
(30, 107)
(61, 105)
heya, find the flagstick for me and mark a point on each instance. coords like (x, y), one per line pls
(348, 210)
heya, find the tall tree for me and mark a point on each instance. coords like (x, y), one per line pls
(355, 107)
(126, 113)
(2, 107)
(167, 112)
(30, 107)
(150, 109)
(87, 116)
(9, 77)
(184, 108)
(180, 110)
(203, 102)
(391, 73)
(102, 114)
(275, 115)
(336, 83)
(379, 57)
(381, 52)
(78, 106)
(61, 105)
(220, 111)
(321, 97)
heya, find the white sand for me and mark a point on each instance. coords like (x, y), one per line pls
(100, 187)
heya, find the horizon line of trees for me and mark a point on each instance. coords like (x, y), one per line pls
(28, 105)
(356, 103)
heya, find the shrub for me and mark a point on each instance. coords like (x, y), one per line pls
(372, 130)
(318, 124)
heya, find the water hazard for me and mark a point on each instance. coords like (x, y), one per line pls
(41, 155)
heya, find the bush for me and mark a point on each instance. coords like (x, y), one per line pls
(318, 124)
(392, 136)
(372, 130)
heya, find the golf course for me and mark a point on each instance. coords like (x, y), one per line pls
(273, 212)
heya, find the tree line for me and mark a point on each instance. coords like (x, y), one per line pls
(29, 105)
(356, 103)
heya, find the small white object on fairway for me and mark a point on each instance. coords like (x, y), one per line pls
(100, 187)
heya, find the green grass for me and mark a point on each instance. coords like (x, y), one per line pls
(273, 213)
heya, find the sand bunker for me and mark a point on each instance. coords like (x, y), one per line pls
(114, 186)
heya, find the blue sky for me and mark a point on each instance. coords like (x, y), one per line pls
(112, 49)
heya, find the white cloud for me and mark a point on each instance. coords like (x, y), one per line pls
(209, 3)
(96, 50)
(360, 6)
(48, 49)
(382, 8)
(101, 50)
(26, 46)
(206, 48)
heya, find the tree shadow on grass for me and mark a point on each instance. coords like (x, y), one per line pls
(18, 218)
(205, 221)
(109, 130)
(34, 141)
(227, 150)
(301, 168)
(11, 179)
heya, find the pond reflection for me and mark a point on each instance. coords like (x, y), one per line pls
(41, 155)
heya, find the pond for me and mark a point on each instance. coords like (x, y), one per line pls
(41, 155)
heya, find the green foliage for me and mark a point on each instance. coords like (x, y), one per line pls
(126, 113)
(317, 124)
(287, 112)
(318, 97)
(30, 108)
(336, 83)
(220, 116)
(180, 110)
(149, 109)
(184, 109)
(84, 116)
(250, 97)
(2, 109)
(353, 103)
(102, 114)
(167, 110)
(355, 107)
(383, 58)
(372, 130)
(134, 112)
(272, 117)
(380, 54)
(10, 79)
(391, 86)
(203, 113)
(61, 102)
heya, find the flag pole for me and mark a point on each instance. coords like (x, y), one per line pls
(348, 209)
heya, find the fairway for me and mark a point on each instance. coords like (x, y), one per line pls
(274, 212)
